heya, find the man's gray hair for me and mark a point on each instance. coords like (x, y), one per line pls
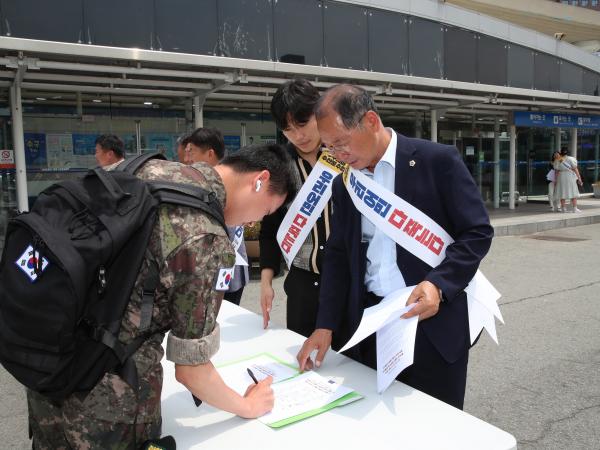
(350, 102)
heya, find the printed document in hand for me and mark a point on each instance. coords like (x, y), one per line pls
(391, 307)
(395, 350)
(395, 336)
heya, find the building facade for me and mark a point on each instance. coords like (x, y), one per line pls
(150, 70)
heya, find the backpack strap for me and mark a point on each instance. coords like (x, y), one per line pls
(189, 195)
(130, 165)
(150, 284)
(109, 183)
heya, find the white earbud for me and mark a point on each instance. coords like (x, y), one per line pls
(258, 185)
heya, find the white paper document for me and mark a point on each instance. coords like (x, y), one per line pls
(485, 293)
(391, 307)
(482, 299)
(302, 394)
(395, 349)
(235, 375)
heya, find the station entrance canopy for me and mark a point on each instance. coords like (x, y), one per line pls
(54, 73)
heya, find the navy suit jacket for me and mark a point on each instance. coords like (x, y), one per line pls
(439, 184)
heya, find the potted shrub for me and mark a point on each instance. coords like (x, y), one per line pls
(251, 237)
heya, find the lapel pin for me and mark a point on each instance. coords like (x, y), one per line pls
(412, 163)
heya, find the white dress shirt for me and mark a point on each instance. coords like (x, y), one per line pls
(382, 275)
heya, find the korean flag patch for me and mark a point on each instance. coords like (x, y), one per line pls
(223, 279)
(28, 261)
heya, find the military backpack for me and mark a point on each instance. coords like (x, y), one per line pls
(67, 273)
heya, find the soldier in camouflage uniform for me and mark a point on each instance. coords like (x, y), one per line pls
(190, 249)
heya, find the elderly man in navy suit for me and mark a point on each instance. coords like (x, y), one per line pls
(362, 264)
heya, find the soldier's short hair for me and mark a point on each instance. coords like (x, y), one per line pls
(111, 142)
(207, 138)
(271, 157)
(183, 140)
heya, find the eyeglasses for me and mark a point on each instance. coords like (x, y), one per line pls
(345, 147)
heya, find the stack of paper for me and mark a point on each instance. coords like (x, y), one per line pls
(297, 396)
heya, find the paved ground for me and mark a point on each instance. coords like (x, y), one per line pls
(542, 384)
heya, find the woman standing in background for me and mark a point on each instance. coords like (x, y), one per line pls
(567, 179)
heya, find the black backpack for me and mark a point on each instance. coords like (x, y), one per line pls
(67, 272)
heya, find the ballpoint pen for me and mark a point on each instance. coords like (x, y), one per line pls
(252, 376)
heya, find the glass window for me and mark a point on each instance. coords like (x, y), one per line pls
(584, 2)
(346, 28)
(492, 55)
(547, 74)
(119, 24)
(426, 48)
(520, 66)
(245, 29)
(33, 19)
(571, 78)
(460, 55)
(294, 18)
(594, 2)
(189, 27)
(388, 42)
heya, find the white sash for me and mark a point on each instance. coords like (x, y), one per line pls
(307, 206)
(416, 232)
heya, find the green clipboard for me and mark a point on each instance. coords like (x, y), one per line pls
(348, 398)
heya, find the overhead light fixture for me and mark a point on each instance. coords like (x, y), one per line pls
(148, 103)
(97, 100)
(40, 98)
(442, 117)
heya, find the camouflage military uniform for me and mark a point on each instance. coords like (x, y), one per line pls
(189, 248)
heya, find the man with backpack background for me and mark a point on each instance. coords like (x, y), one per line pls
(109, 150)
(192, 258)
(206, 145)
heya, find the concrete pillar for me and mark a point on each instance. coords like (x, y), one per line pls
(19, 145)
(243, 134)
(79, 105)
(557, 139)
(434, 126)
(573, 143)
(189, 114)
(418, 126)
(512, 158)
(496, 163)
(138, 137)
(199, 111)
(479, 163)
(596, 154)
(530, 160)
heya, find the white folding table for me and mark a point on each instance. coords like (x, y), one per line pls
(401, 418)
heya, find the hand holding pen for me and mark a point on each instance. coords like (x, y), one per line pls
(259, 395)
